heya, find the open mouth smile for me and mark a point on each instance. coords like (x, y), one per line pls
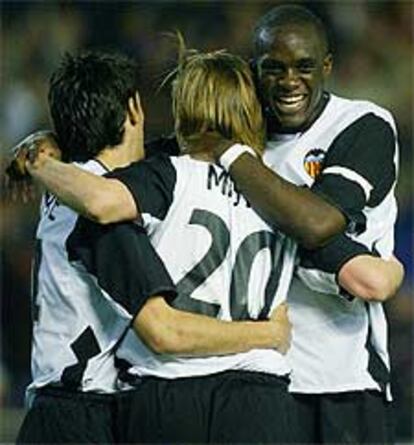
(291, 103)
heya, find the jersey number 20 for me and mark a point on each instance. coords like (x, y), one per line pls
(214, 258)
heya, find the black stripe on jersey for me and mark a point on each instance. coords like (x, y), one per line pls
(84, 347)
(151, 183)
(367, 147)
(376, 367)
(123, 261)
(331, 257)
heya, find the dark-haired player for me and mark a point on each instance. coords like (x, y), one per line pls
(106, 209)
(76, 324)
(292, 88)
(346, 152)
(81, 313)
(227, 263)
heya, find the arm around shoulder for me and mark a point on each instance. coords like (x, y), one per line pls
(98, 198)
(297, 211)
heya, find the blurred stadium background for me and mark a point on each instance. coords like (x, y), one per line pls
(373, 60)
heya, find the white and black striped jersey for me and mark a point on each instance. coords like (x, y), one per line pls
(349, 155)
(82, 304)
(225, 260)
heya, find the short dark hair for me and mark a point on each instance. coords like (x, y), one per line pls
(88, 99)
(283, 15)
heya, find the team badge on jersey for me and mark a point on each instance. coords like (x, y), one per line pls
(313, 162)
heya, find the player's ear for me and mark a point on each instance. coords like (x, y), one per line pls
(327, 64)
(135, 113)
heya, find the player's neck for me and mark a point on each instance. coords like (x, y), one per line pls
(202, 156)
(119, 156)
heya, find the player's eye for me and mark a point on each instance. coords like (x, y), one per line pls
(306, 66)
(271, 67)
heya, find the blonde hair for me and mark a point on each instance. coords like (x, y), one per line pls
(214, 92)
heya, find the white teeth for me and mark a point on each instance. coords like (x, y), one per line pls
(290, 100)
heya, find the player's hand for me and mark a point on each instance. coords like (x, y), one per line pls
(31, 151)
(210, 142)
(283, 328)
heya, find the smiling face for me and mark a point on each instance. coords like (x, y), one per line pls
(292, 66)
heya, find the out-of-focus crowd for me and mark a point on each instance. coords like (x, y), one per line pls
(373, 50)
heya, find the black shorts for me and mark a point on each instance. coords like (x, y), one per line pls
(60, 416)
(344, 418)
(233, 406)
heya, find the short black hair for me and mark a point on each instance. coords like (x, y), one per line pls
(88, 100)
(283, 15)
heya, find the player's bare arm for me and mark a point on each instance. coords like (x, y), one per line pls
(114, 255)
(100, 199)
(166, 330)
(354, 267)
(371, 278)
(295, 210)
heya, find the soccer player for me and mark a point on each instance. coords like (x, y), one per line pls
(81, 313)
(301, 230)
(105, 205)
(346, 152)
(227, 263)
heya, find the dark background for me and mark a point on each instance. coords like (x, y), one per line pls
(373, 60)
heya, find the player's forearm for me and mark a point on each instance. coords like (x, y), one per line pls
(100, 199)
(371, 278)
(295, 210)
(69, 184)
(200, 336)
(169, 331)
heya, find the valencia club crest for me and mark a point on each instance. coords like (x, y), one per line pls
(313, 162)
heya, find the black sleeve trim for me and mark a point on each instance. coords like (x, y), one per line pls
(151, 183)
(123, 261)
(332, 256)
(366, 147)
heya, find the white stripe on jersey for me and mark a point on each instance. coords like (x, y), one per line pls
(352, 176)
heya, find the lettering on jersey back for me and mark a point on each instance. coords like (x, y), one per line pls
(219, 178)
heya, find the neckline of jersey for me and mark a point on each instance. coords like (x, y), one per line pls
(286, 137)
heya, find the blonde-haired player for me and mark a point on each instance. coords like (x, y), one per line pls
(226, 261)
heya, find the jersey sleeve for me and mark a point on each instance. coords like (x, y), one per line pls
(122, 260)
(359, 167)
(331, 257)
(151, 183)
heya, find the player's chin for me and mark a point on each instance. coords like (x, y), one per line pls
(291, 122)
